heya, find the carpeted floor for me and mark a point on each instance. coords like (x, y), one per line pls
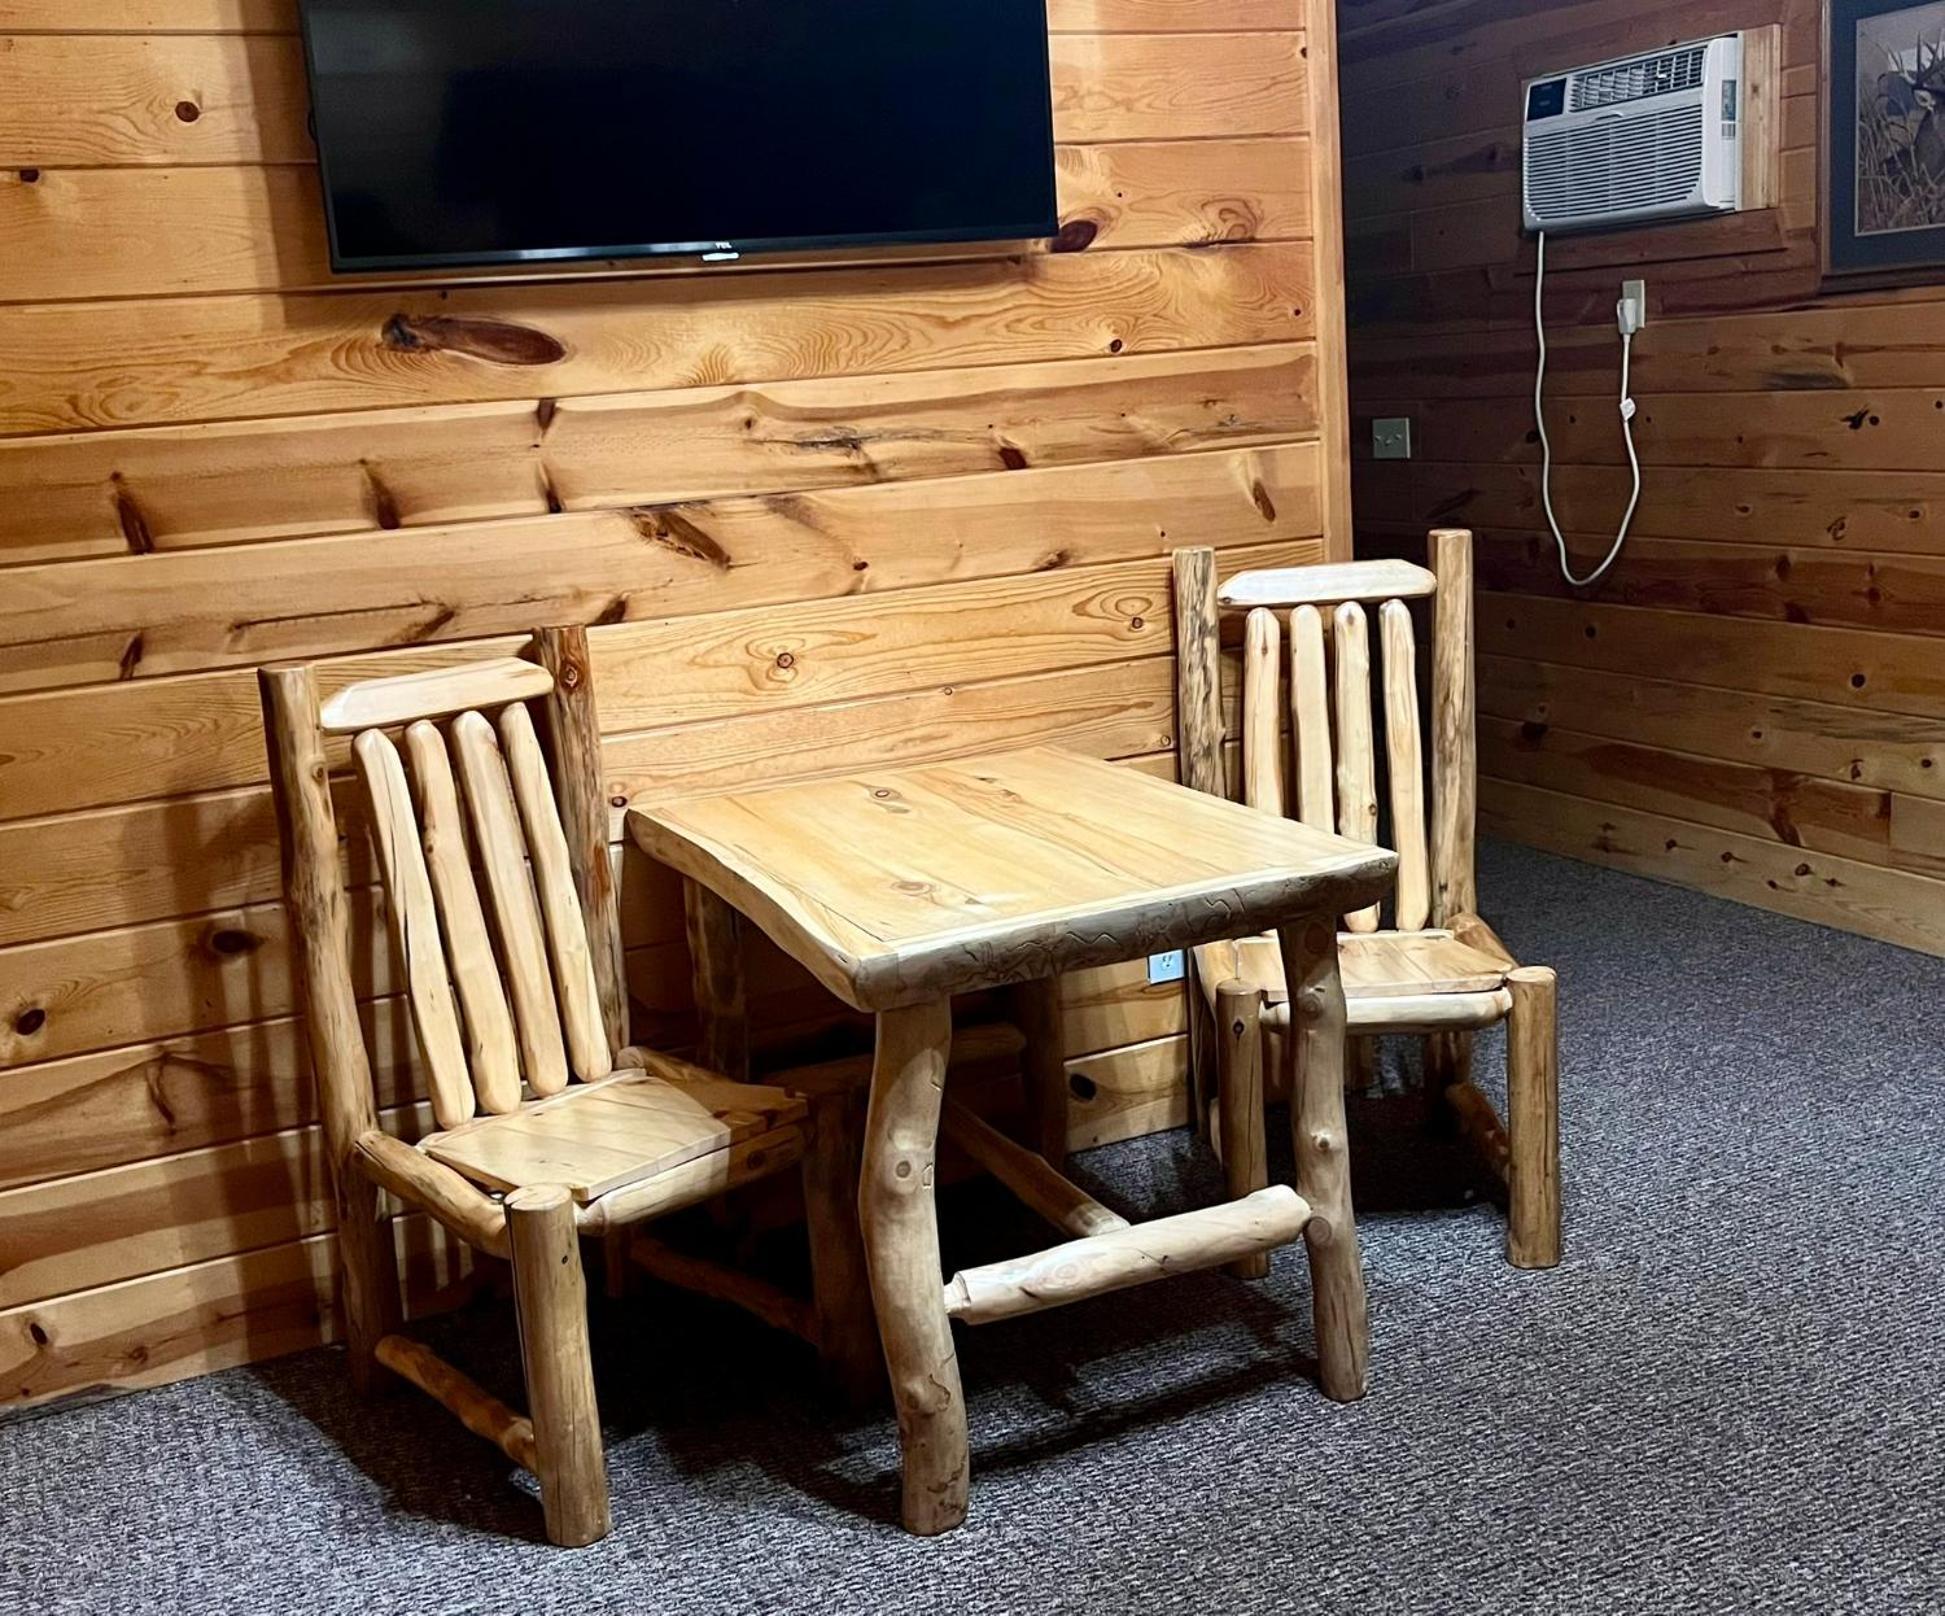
(1727, 1399)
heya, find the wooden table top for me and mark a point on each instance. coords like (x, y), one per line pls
(900, 885)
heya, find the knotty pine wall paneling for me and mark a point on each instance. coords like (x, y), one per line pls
(1753, 700)
(819, 512)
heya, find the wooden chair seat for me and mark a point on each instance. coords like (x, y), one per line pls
(595, 1138)
(1375, 964)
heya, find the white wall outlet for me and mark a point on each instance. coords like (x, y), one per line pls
(1632, 311)
(1391, 437)
(1169, 967)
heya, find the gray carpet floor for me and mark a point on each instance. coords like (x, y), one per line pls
(1727, 1398)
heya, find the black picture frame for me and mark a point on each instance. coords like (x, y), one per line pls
(1857, 251)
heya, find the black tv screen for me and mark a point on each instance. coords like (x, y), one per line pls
(456, 132)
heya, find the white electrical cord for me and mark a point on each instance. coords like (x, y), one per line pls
(1629, 322)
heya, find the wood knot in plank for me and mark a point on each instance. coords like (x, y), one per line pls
(498, 342)
(380, 500)
(136, 532)
(672, 530)
(1805, 381)
(30, 1021)
(233, 942)
(1076, 235)
(1232, 222)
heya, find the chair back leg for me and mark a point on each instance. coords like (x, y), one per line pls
(314, 898)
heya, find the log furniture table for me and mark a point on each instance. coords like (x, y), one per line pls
(901, 887)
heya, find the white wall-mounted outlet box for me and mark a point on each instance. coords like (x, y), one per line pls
(1169, 967)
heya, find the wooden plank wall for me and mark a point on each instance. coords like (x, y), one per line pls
(1753, 702)
(821, 513)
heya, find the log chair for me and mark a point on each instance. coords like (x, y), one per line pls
(549, 1126)
(1439, 972)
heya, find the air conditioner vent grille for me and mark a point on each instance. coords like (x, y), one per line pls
(1634, 81)
(1615, 166)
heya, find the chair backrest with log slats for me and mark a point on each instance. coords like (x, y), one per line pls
(495, 868)
(1334, 708)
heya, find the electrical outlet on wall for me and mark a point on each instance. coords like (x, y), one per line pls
(1169, 967)
(1631, 313)
(1391, 437)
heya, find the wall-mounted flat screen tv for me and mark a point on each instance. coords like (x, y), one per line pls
(455, 132)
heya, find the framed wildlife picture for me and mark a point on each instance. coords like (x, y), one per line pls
(1884, 141)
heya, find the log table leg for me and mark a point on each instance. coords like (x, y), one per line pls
(716, 956)
(1043, 1065)
(901, 1239)
(1318, 1131)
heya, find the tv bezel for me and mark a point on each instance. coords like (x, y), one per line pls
(1027, 230)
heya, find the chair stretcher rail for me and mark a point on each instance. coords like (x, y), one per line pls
(475, 1408)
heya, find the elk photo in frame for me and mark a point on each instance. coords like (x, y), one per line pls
(1884, 141)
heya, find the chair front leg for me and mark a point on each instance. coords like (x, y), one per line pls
(1239, 1102)
(1533, 1118)
(1323, 1154)
(551, 1296)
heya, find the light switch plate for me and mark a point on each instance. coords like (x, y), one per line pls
(1169, 967)
(1391, 437)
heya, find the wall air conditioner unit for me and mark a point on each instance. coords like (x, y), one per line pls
(1638, 140)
